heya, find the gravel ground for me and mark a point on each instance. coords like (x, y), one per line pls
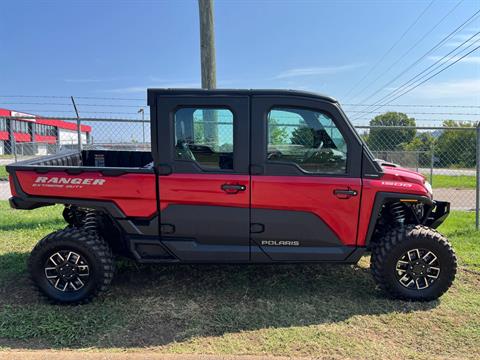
(451, 172)
(460, 199)
(6, 161)
(4, 190)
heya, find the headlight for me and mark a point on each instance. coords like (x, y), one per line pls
(428, 187)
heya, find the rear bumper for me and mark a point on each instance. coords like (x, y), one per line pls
(22, 204)
(438, 214)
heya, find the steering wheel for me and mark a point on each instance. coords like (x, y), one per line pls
(274, 154)
(185, 151)
(310, 153)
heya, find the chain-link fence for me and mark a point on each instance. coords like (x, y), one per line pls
(446, 155)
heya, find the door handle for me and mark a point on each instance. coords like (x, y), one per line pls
(233, 188)
(344, 193)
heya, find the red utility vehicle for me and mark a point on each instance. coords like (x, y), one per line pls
(236, 176)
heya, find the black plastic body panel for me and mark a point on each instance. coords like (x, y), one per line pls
(150, 250)
(314, 240)
(194, 231)
(438, 214)
(383, 197)
(118, 159)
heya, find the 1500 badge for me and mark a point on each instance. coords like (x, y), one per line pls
(280, 243)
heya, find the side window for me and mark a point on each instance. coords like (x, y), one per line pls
(205, 135)
(307, 138)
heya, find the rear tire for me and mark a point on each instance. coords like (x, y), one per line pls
(71, 266)
(413, 263)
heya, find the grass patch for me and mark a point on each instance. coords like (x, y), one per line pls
(19, 232)
(460, 229)
(449, 181)
(311, 310)
(3, 172)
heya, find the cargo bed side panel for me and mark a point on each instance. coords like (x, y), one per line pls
(134, 194)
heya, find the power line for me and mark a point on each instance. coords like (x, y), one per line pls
(409, 82)
(438, 72)
(67, 97)
(420, 105)
(67, 104)
(84, 119)
(416, 113)
(109, 98)
(410, 49)
(114, 105)
(391, 48)
(425, 55)
(440, 63)
(34, 96)
(440, 43)
(343, 104)
(83, 112)
(420, 119)
(34, 103)
(424, 81)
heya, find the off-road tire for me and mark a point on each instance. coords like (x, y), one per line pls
(396, 242)
(90, 246)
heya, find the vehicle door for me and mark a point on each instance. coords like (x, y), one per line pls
(204, 182)
(306, 180)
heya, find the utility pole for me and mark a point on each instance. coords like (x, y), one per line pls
(208, 63)
(207, 44)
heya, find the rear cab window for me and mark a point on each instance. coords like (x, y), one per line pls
(205, 136)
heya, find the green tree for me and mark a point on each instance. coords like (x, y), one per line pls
(456, 148)
(303, 136)
(423, 143)
(364, 135)
(277, 133)
(390, 139)
(199, 133)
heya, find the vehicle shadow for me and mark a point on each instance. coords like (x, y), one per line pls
(157, 305)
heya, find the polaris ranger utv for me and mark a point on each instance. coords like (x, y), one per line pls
(235, 176)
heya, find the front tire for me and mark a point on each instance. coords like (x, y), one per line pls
(414, 263)
(71, 266)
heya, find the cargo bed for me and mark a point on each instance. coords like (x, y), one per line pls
(93, 178)
(90, 159)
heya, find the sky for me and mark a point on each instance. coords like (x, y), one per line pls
(355, 51)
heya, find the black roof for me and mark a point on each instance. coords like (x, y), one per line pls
(153, 93)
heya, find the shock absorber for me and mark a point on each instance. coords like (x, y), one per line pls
(90, 221)
(397, 210)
